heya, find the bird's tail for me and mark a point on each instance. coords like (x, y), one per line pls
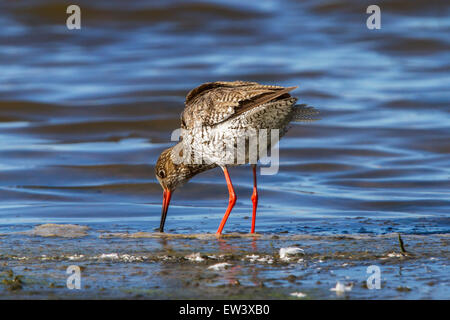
(302, 112)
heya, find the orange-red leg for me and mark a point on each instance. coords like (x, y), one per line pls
(231, 202)
(254, 199)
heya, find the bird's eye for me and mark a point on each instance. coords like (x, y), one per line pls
(162, 174)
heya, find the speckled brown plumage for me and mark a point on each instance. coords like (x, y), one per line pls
(215, 115)
(215, 102)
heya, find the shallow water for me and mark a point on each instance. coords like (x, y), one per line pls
(84, 114)
(236, 266)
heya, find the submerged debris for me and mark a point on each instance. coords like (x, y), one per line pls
(341, 288)
(109, 256)
(220, 266)
(298, 294)
(400, 241)
(115, 256)
(403, 289)
(392, 255)
(265, 259)
(76, 257)
(11, 281)
(252, 257)
(58, 230)
(196, 257)
(287, 253)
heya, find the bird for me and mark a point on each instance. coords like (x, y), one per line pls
(214, 117)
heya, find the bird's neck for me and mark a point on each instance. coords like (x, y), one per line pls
(188, 161)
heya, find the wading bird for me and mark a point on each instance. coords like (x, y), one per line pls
(215, 115)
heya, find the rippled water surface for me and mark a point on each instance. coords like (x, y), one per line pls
(85, 113)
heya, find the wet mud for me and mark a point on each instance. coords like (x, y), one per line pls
(145, 265)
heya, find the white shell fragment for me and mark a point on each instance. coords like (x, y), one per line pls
(298, 294)
(194, 257)
(342, 288)
(109, 256)
(287, 253)
(219, 266)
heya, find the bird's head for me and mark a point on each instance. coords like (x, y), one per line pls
(170, 176)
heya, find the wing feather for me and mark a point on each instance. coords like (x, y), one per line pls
(214, 102)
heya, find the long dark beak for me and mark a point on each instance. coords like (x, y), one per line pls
(165, 206)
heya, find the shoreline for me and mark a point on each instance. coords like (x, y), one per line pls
(235, 266)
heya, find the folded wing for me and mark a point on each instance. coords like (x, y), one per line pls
(214, 102)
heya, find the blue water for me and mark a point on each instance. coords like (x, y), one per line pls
(85, 113)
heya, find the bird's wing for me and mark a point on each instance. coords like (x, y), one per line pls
(215, 102)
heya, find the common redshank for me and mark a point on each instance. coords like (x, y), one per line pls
(216, 114)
